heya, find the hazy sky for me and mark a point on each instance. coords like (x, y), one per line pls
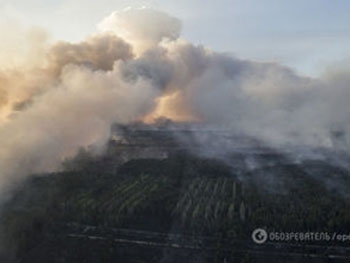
(307, 35)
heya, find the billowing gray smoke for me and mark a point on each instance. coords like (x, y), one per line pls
(137, 67)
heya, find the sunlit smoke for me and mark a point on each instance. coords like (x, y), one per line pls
(142, 28)
(63, 96)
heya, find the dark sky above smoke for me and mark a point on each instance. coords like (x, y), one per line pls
(58, 97)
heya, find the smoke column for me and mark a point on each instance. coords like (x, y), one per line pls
(137, 67)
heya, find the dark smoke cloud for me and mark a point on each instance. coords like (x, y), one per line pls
(98, 52)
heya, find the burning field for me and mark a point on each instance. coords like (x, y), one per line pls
(137, 67)
(135, 129)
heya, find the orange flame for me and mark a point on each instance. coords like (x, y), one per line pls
(167, 107)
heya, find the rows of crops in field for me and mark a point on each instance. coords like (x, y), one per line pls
(121, 201)
(208, 203)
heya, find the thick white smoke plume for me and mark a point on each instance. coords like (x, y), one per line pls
(143, 28)
(138, 68)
